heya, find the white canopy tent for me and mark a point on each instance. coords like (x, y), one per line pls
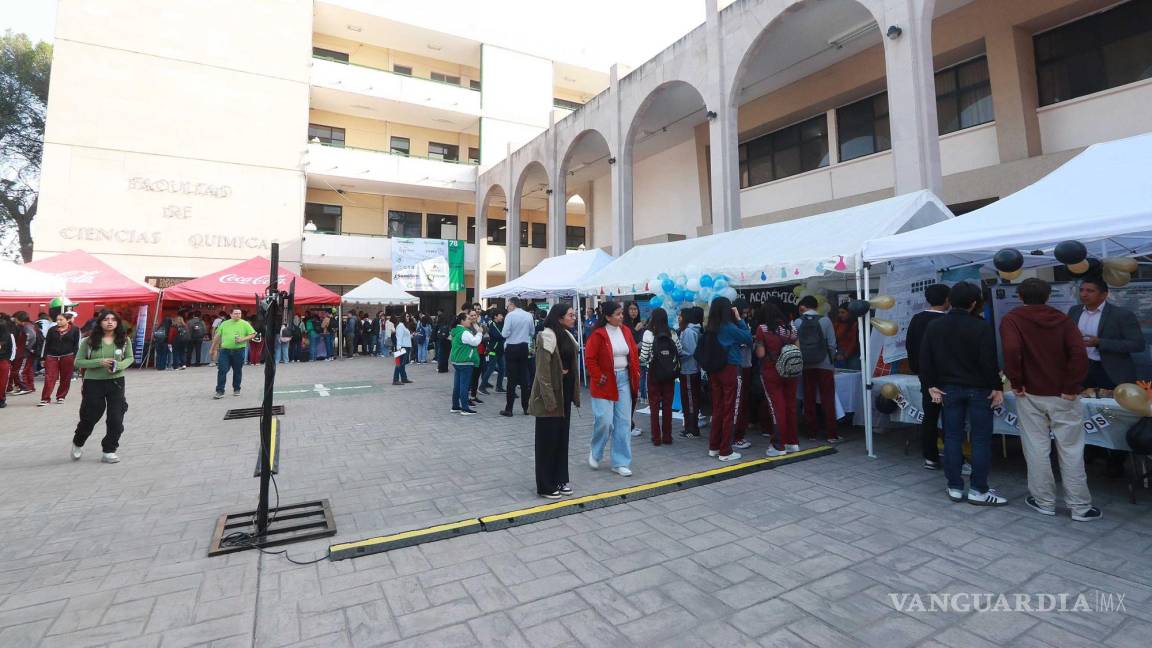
(555, 276)
(16, 279)
(1102, 197)
(781, 252)
(376, 291)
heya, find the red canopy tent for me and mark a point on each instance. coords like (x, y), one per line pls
(241, 283)
(89, 280)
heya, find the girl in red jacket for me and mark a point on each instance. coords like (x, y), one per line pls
(614, 377)
(774, 332)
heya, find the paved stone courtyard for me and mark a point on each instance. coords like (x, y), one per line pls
(802, 555)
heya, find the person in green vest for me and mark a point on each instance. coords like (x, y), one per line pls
(466, 337)
(104, 356)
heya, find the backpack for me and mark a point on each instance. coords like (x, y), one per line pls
(160, 334)
(710, 354)
(39, 341)
(664, 366)
(182, 333)
(813, 345)
(790, 362)
(196, 329)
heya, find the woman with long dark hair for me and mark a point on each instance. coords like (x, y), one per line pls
(104, 356)
(403, 342)
(773, 334)
(732, 333)
(660, 359)
(614, 375)
(634, 324)
(466, 337)
(7, 355)
(59, 358)
(161, 340)
(690, 321)
(553, 394)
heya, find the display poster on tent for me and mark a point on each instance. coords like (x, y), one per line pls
(427, 264)
(141, 331)
(906, 282)
(783, 293)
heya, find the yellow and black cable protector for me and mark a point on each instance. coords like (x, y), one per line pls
(566, 506)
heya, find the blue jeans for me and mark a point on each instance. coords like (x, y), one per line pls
(281, 351)
(162, 353)
(971, 404)
(422, 351)
(495, 366)
(643, 382)
(330, 345)
(383, 345)
(461, 381)
(229, 359)
(313, 343)
(400, 373)
(614, 418)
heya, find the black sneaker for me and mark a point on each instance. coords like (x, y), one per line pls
(565, 489)
(1035, 506)
(500, 390)
(477, 400)
(931, 465)
(485, 392)
(1091, 515)
(507, 413)
(552, 495)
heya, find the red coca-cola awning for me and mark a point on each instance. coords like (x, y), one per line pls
(88, 279)
(241, 283)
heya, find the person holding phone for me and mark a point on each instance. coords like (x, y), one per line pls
(614, 376)
(105, 354)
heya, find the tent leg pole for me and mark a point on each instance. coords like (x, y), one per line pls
(148, 333)
(868, 371)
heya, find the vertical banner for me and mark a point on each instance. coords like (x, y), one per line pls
(455, 265)
(141, 332)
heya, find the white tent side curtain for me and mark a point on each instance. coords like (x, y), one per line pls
(782, 252)
(555, 276)
(376, 291)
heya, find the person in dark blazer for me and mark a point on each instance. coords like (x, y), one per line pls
(1111, 334)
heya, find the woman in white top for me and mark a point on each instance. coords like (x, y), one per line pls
(614, 376)
(403, 341)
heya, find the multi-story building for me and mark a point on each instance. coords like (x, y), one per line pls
(184, 136)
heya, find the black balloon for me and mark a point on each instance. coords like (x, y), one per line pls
(1069, 252)
(859, 307)
(1008, 260)
(1095, 269)
(885, 406)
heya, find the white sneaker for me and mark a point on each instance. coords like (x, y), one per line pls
(956, 495)
(110, 457)
(713, 453)
(791, 447)
(636, 432)
(991, 498)
(77, 452)
(623, 471)
(732, 457)
(592, 462)
(741, 445)
(773, 452)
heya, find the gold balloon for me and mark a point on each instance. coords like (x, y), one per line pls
(890, 391)
(799, 290)
(1121, 264)
(1079, 268)
(1116, 278)
(1011, 276)
(886, 327)
(1132, 398)
(882, 302)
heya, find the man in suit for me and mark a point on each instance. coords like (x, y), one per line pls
(1111, 334)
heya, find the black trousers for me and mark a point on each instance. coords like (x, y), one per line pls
(476, 375)
(552, 451)
(929, 432)
(96, 397)
(516, 366)
(443, 350)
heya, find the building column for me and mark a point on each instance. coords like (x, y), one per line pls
(557, 205)
(723, 130)
(1012, 74)
(911, 95)
(512, 224)
(621, 171)
(480, 277)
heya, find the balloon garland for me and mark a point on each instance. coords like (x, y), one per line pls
(1116, 272)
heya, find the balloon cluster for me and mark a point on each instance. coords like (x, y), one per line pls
(861, 308)
(1133, 398)
(674, 293)
(1009, 263)
(811, 289)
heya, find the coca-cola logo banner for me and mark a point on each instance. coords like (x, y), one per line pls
(261, 280)
(79, 276)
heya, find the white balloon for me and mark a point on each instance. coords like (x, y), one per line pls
(729, 292)
(693, 283)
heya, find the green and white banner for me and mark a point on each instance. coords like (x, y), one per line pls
(427, 264)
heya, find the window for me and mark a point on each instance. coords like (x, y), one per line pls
(332, 55)
(565, 104)
(540, 235)
(405, 70)
(438, 151)
(326, 134)
(442, 226)
(497, 231)
(325, 217)
(399, 145)
(963, 96)
(474, 154)
(574, 237)
(523, 234)
(1102, 51)
(403, 224)
(445, 78)
(863, 127)
(471, 230)
(474, 84)
(788, 151)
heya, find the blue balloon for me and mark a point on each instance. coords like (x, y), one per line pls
(662, 276)
(656, 302)
(719, 285)
(678, 295)
(689, 295)
(667, 285)
(706, 281)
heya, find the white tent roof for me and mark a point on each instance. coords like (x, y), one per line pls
(1102, 197)
(553, 277)
(378, 291)
(16, 278)
(775, 253)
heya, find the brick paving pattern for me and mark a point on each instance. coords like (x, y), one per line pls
(803, 555)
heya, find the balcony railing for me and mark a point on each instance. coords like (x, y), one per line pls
(565, 104)
(406, 155)
(393, 72)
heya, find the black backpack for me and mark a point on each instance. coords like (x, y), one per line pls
(196, 329)
(182, 333)
(160, 334)
(710, 354)
(813, 345)
(664, 366)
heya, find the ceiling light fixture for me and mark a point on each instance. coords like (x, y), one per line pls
(855, 33)
(355, 28)
(434, 47)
